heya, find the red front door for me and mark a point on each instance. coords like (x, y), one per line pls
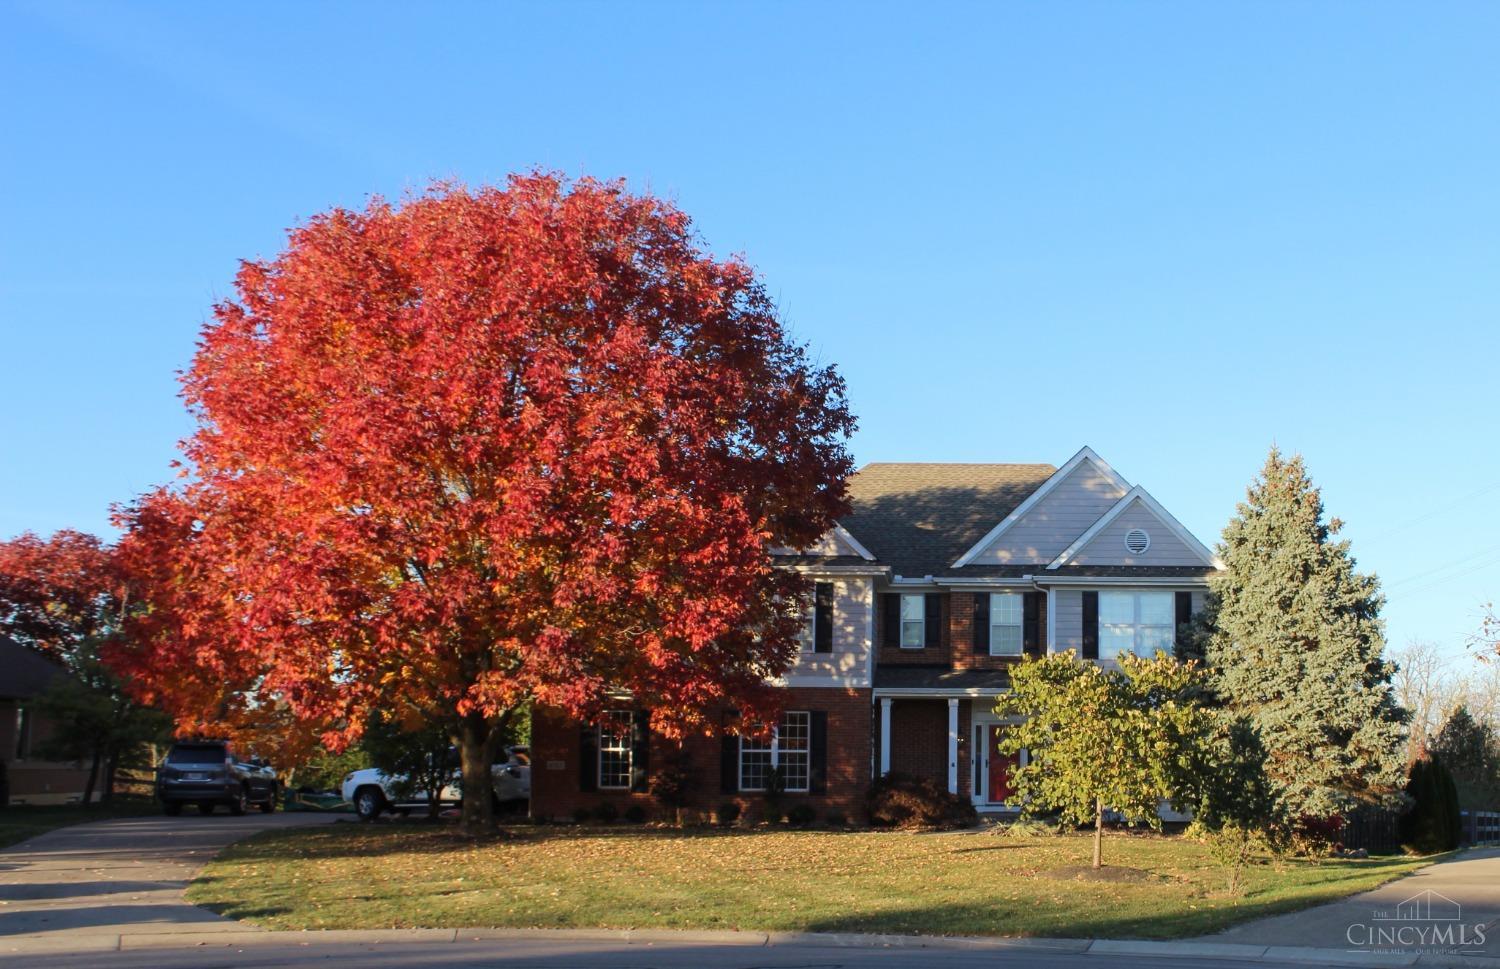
(1001, 788)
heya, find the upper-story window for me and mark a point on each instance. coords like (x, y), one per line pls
(615, 749)
(913, 621)
(1006, 614)
(808, 613)
(1136, 622)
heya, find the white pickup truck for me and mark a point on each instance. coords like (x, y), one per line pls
(373, 792)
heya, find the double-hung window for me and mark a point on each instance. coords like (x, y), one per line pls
(913, 621)
(807, 611)
(615, 734)
(1136, 622)
(788, 748)
(1005, 623)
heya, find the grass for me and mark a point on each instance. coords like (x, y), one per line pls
(19, 821)
(369, 876)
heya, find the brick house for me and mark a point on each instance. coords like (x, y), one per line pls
(941, 578)
(24, 675)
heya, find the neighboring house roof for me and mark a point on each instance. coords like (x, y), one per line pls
(919, 518)
(24, 672)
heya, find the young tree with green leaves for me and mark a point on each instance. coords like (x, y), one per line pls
(1296, 646)
(1123, 739)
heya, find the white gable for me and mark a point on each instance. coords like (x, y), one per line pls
(1042, 526)
(835, 541)
(1105, 542)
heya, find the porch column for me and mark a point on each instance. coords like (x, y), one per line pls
(885, 735)
(953, 745)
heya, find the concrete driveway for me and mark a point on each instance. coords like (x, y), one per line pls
(127, 874)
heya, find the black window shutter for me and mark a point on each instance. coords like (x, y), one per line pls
(588, 758)
(1031, 624)
(817, 773)
(982, 623)
(823, 617)
(1184, 608)
(890, 619)
(729, 757)
(934, 616)
(640, 750)
(1091, 625)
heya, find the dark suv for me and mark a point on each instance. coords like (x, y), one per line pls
(208, 773)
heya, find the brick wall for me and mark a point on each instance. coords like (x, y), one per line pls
(555, 775)
(919, 739)
(961, 634)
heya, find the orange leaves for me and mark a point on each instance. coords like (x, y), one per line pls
(490, 444)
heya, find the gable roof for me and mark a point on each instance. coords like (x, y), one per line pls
(1085, 453)
(917, 518)
(27, 672)
(1144, 497)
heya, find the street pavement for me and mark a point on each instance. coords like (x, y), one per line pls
(110, 894)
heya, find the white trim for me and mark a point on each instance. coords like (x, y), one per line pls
(1137, 494)
(872, 570)
(980, 584)
(885, 736)
(1086, 454)
(1183, 582)
(852, 542)
(953, 745)
(830, 680)
(1051, 620)
(928, 692)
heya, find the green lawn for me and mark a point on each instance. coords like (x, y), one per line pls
(19, 822)
(364, 876)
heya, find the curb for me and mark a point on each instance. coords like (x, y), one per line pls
(238, 938)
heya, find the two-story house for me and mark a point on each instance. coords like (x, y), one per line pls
(940, 578)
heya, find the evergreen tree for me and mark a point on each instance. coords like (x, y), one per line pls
(1432, 823)
(1294, 638)
(1471, 752)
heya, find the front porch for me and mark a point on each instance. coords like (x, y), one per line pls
(947, 733)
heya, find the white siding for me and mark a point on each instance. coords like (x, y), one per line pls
(829, 544)
(1053, 523)
(849, 663)
(1108, 547)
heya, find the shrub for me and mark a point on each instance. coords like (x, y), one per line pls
(903, 801)
(801, 815)
(770, 813)
(635, 814)
(582, 814)
(673, 786)
(1025, 828)
(1433, 823)
(1316, 837)
(727, 813)
(836, 819)
(606, 813)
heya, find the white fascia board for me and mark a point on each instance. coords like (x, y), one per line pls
(1058, 476)
(811, 569)
(1144, 496)
(923, 693)
(852, 542)
(1127, 581)
(803, 681)
(962, 584)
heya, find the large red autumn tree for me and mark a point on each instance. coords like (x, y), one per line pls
(484, 447)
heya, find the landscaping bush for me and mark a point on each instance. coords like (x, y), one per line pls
(1026, 828)
(727, 814)
(836, 819)
(1433, 823)
(1315, 837)
(673, 786)
(770, 813)
(582, 814)
(801, 815)
(606, 813)
(903, 801)
(635, 814)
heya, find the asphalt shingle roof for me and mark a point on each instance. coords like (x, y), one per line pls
(919, 518)
(25, 671)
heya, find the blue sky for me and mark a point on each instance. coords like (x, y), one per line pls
(1174, 232)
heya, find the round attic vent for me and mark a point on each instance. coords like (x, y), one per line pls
(1137, 541)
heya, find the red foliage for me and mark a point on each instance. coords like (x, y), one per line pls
(490, 445)
(56, 593)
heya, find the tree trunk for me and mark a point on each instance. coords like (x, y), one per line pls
(1098, 832)
(88, 789)
(475, 756)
